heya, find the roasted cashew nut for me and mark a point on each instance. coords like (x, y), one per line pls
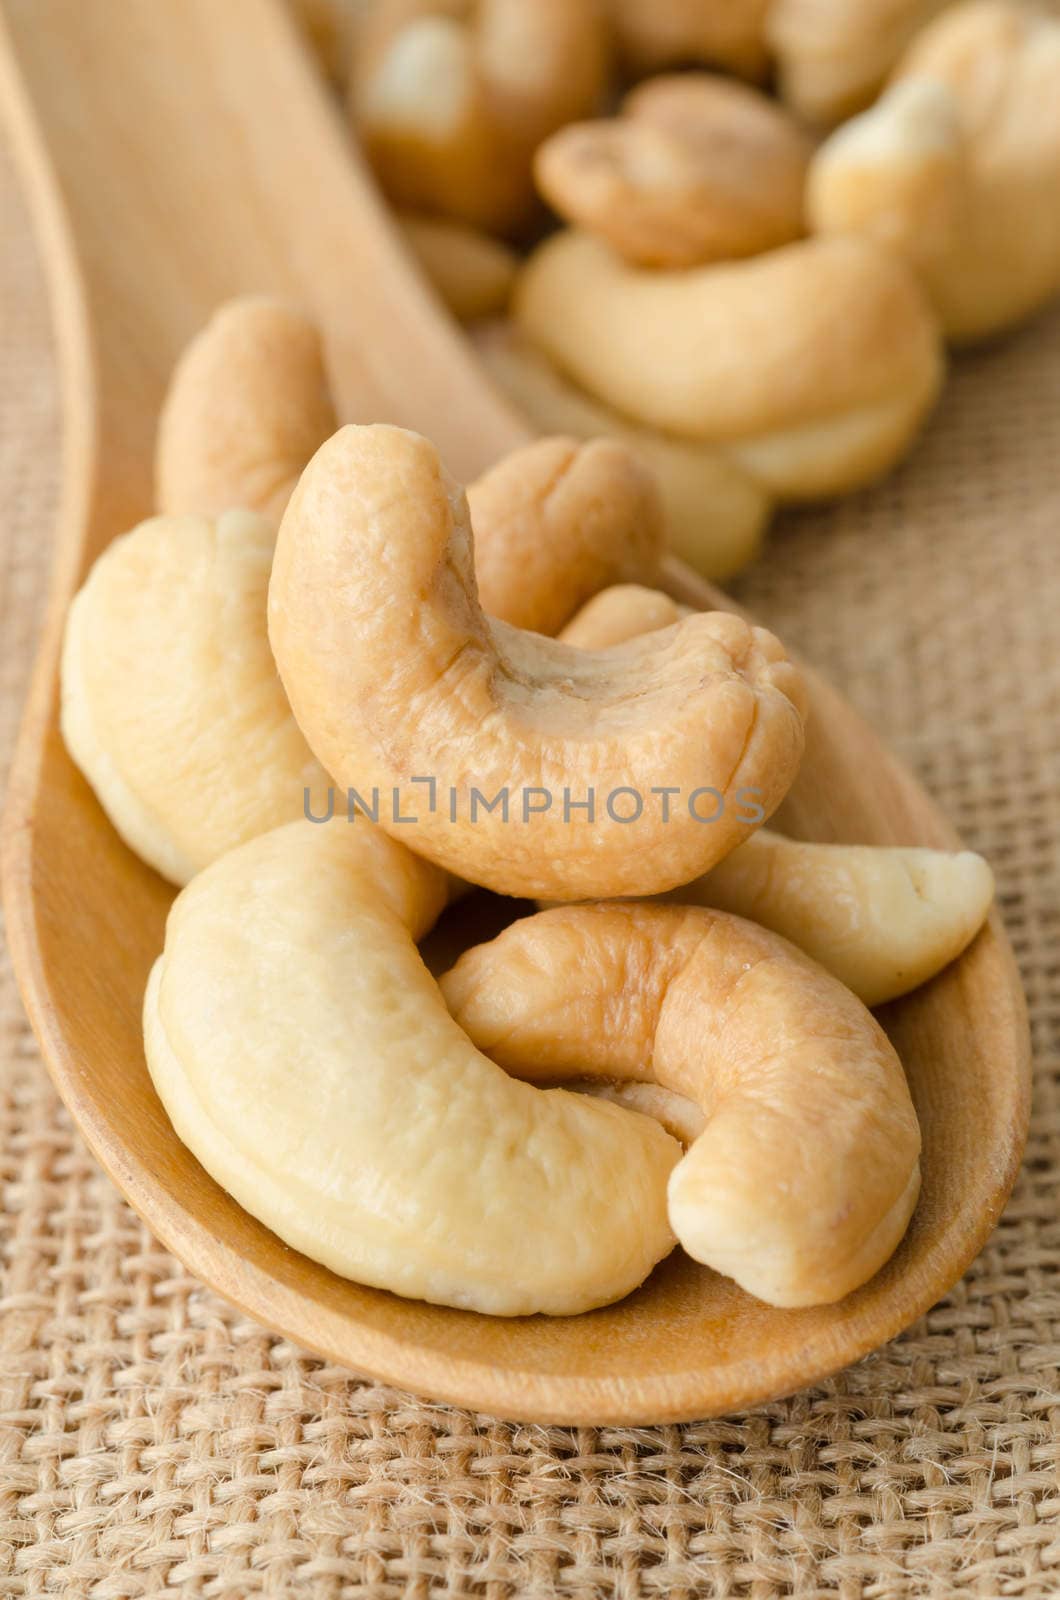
(715, 512)
(171, 703)
(670, 33)
(813, 365)
(247, 405)
(697, 168)
(450, 98)
(881, 920)
(833, 55)
(953, 171)
(394, 672)
(305, 1057)
(807, 1171)
(558, 521)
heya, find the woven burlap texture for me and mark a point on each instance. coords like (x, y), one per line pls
(155, 1441)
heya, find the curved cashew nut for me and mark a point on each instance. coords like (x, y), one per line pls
(807, 1171)
(560, 520)
(305, 1056)
(882, 920)
(472, 273)
(247, 405)
(698, 168)
(668, 33)
(950, 170)
(715, 512)
(171, 703)
(833, 55)
(817, 396)
(451, 98)
(393, 671)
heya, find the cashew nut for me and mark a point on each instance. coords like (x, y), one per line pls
(954, 171)
(883, 921)
(833, 55)
(668, 33)
(698, 168)
(472, 273)
(715, 512)
(813, 365)
(247, 405)
(807, 1171)
(305, 1057)
(561, 520)
(451, 98)
(171, 704)
(394, 672)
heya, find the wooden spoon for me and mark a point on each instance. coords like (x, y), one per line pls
(178, 152)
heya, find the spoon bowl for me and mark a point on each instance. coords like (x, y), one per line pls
(188, 155)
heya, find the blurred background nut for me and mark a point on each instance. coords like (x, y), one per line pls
(471, 272)
(329, 27)
(715, 512)
(698, 168)
(666, 33)
(451, 98)
(813, 365)
(833, 55)
(957, 166)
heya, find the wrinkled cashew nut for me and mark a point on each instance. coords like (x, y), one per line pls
(171, 704)
(833, 55)
(813, 365)
(393, 671)
(950, 170)
(715, 512)
(807, 1171)
(556, 522)
(882, 920)
(472, 274)
(247, 405)
(450, 98)
(670, 33)
(698, 168)
(305, 1057)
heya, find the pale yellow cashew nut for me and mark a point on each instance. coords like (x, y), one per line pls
(697, 168)
(247, 405)
(450, 98)
(957, 167)
(813, 365)
(716, 513)
(306, 1058)
(881, 920)
(833, 55)
(171, 703)
(394, 672)
(807, 1171)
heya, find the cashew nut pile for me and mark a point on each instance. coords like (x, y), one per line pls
(326, 691)
(761, 315)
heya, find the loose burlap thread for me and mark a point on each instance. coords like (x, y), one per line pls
(155, 1441)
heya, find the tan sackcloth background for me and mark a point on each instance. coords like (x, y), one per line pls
(153, 1440)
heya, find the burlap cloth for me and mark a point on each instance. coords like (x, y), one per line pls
(154, 1440)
